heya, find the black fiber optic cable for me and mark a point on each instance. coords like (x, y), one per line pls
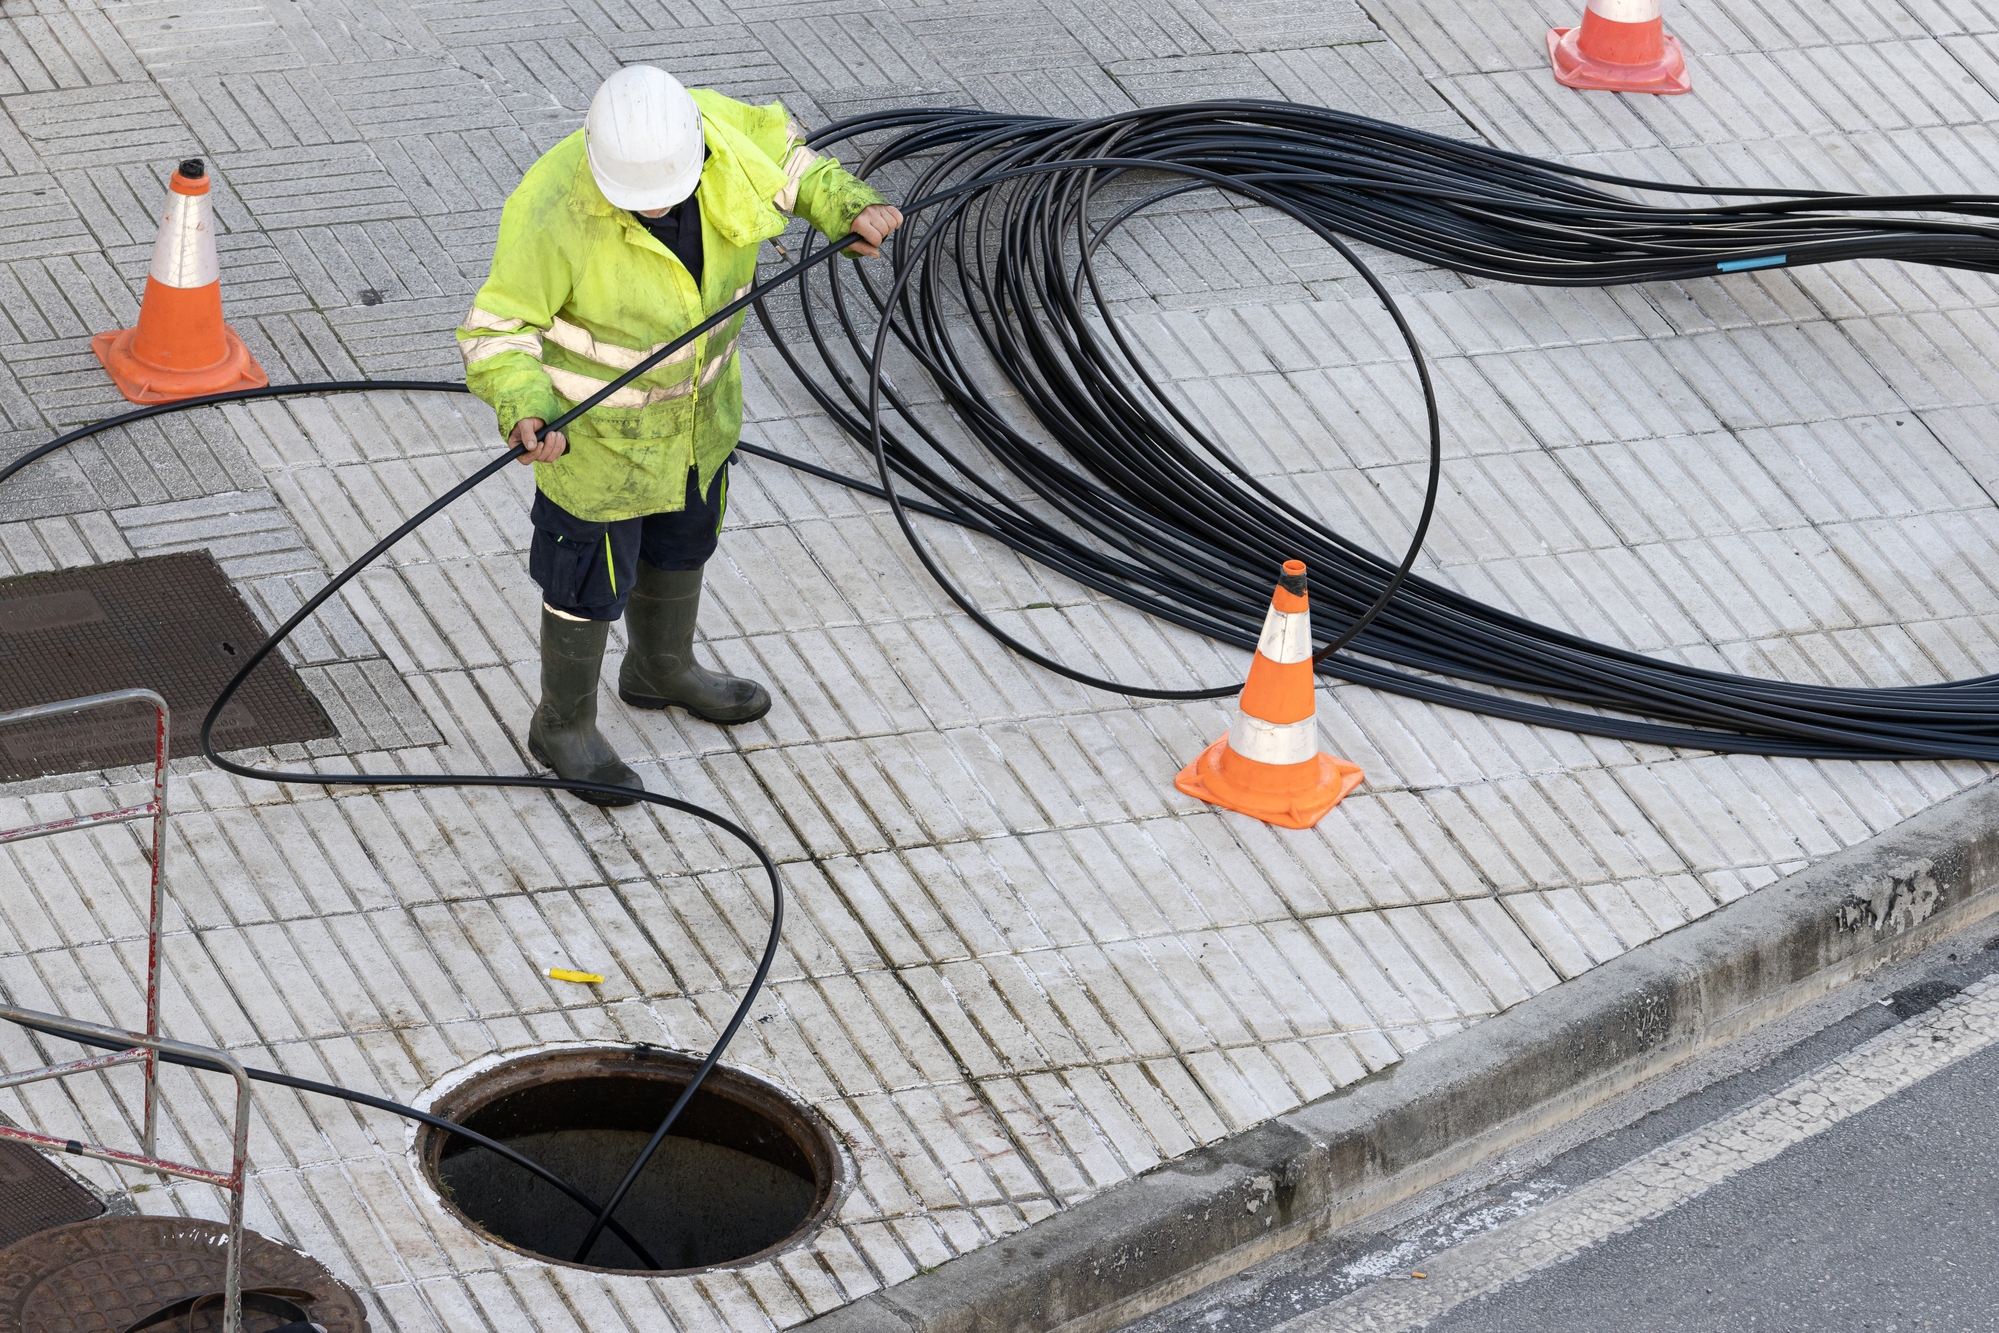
(1119, 488)
(602, 1217)
(742, 835)
(276, 1079)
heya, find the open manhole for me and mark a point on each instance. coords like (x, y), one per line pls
(745, 1171)
(169, 623)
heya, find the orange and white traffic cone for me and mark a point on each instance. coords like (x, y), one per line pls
(1622, 47)
(180, 347)
(1269, 765)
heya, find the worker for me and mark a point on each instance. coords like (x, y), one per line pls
(621, 238)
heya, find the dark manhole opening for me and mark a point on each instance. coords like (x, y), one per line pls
(745, 1171)
(170, 623)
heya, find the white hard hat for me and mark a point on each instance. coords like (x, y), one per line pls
(643, 135)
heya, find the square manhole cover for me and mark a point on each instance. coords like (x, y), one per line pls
(35, 1195)
(170, 623)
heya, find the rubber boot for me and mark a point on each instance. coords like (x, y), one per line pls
(660, 669)
(563, 734)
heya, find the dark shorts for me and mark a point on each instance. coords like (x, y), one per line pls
(587, 569)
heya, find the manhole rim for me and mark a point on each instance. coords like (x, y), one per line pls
(442, 1097)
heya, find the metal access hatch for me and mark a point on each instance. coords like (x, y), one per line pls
(170, 623)
(36, 1194)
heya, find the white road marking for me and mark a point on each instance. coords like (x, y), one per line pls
(1669, 1176)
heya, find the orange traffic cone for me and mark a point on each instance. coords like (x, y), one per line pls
(1269, 765)
(1621, 47)
(180, 347)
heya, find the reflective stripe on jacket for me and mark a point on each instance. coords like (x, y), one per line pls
(580, 292)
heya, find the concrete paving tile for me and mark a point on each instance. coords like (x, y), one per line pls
(1303, 1069)
(1096, 1095)
(434, 1305)
(86, 126)
(1371, 78)
(940, 1166)
(1099, 974)
(1585, 922)
(1039, 1139)
(717, 906)
(1083, 1017)
(776, 1298)
(1418, 931)
(591, 1304)
(1265, 1074)
(955, 902)
(1404, 969)
(1624, 913)
(500, 1303)
(682, 1303)
(1360, 973)
(67, 49)
(54, 898)
(1550, 936)
(1002, 1023)
(1258, 982)
(170, 43)
(1232, 1096)
(243, 111)
(1666, 908)
(1045, 874)
(1507, 967)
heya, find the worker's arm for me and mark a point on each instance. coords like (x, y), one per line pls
(501, 336)
(831, 198)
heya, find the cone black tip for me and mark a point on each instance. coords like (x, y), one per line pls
(193, 168)
(1292, 583)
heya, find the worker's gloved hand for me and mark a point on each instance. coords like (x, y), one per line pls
(874, 225)
(549, 448)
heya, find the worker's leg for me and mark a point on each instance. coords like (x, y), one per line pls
(586, 573)
(660, 670)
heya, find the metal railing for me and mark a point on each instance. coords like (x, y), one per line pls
(147, 1049)
(156, 810)
(135, 1047)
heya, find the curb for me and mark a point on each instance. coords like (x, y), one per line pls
(1463, 1098)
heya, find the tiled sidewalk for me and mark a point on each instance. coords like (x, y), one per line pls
(1019, 967)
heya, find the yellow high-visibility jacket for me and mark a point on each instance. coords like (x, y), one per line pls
(581, 292)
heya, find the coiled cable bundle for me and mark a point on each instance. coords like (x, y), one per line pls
(1117, 486)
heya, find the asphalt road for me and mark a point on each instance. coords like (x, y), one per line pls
(1849, 1183)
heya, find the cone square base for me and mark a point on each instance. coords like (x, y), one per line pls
(1320, 784)
(1666, 76)
(144, 383)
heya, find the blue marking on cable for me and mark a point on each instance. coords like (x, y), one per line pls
(1737, 265)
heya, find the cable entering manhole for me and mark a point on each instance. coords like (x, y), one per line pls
(745, 1172)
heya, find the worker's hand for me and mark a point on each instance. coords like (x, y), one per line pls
(874, 225)
(549, 448)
